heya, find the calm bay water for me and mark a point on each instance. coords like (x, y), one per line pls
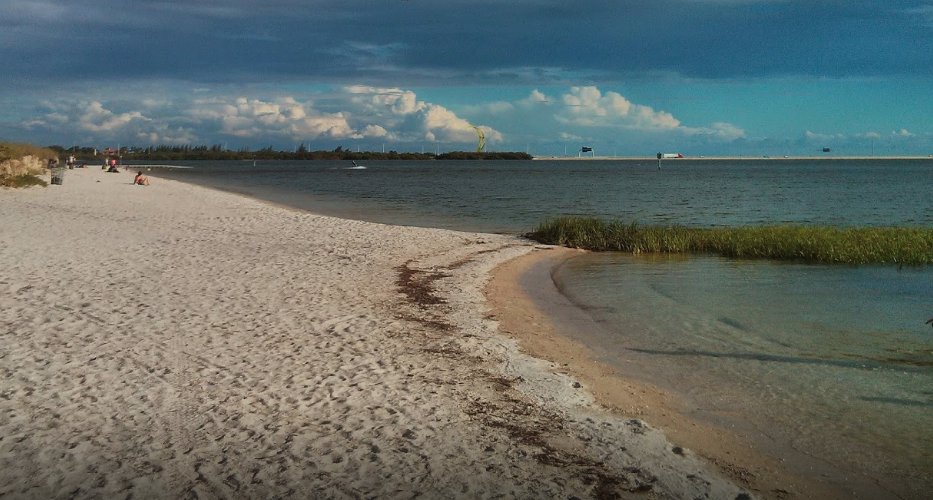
(832, 362)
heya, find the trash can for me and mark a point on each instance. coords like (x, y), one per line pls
(58, 174)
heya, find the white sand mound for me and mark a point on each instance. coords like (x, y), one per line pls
(171, 341)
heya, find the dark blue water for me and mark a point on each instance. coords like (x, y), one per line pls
(516, 196)
(834, 362)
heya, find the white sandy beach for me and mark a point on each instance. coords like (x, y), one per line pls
(172, 341)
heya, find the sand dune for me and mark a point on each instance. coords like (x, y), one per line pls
(172, 341)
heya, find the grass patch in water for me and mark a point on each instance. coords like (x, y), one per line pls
(865, 245)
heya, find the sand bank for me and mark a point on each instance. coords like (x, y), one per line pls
(172, 341)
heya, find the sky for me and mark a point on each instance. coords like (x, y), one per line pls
(624, 77)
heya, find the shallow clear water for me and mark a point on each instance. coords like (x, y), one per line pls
(833, 361)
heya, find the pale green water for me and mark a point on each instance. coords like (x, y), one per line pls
(832, 361)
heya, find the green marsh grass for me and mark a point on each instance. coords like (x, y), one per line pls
(864, 245)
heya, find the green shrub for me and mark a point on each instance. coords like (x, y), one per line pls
(20, 163)
(15, 151)
(19, 181)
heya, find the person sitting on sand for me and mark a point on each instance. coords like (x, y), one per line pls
(141, 179)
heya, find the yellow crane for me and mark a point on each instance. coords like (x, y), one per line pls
(482, 139)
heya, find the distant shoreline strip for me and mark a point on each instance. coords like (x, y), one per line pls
(741, 158)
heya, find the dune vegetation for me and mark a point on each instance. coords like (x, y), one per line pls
(22, 164)
(861, 245)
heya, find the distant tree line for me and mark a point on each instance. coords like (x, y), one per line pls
(471, 155)
(218, 152)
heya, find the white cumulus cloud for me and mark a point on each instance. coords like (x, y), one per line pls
(96, 118)
(401, 111)
(590, 107)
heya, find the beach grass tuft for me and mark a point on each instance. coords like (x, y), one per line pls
(863, 245)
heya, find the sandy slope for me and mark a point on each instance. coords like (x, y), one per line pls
(176, 342)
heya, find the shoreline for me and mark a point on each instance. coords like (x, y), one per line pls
(751, 431)
(173, 340)
(520, 316)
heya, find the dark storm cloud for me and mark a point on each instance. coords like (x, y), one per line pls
(248, 72)
(462, 42)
